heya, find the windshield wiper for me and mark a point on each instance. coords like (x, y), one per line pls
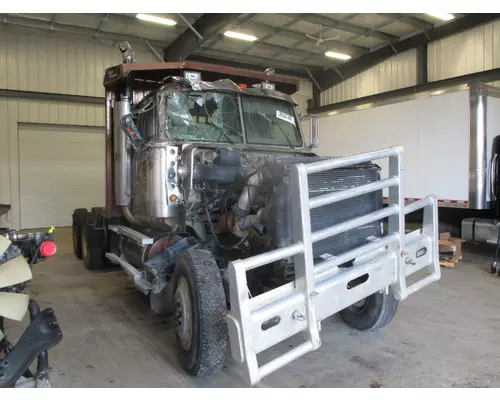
(225, 133)
(273, 123)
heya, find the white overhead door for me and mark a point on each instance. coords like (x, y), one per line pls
(60, 168)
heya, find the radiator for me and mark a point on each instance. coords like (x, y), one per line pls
(331, 214)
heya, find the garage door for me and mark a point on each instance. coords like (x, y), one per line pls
(61, 168)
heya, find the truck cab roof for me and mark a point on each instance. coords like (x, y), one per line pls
(149, 75)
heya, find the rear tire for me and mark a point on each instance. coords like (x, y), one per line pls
(374, 312)
(93, 246)
(79, 216)
(200, 313)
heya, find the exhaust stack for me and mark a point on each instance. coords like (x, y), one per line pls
(122, 156)
(122, 150)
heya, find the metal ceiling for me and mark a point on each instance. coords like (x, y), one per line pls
(286, 42)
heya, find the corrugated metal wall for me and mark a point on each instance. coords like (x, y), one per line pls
(465, 53)
(55, 63)
(395, 73)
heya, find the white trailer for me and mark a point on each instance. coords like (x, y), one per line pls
(449, 138)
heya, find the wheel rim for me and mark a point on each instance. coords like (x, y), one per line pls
(359, 307)
(84, 243)
(183, 313)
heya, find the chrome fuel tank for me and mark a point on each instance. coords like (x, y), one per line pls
(155, 191)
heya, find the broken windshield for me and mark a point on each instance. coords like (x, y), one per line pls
(207, 117)
(215, 117)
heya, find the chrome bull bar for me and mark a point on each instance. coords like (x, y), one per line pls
(321, 290)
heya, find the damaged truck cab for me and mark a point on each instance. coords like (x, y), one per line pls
(220, 212)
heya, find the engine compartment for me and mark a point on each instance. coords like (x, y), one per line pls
(237, 203)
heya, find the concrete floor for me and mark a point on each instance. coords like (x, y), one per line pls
(444, 336)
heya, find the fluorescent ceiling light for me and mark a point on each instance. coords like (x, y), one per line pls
(157, 20)
(442, 16)
(241, 36)
(340, 56)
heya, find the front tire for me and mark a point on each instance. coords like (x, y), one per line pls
(200, 313)
(374, 312)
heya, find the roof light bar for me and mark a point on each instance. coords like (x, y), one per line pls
(156, 20)
(442, 16)
(339, 56)
(241, 36)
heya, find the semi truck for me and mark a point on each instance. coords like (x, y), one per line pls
(451, 136)
(221, 213)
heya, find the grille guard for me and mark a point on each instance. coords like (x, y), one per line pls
(319, 291)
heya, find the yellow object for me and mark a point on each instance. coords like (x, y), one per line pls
(51, 229)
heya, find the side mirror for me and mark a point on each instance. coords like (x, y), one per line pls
(313, 131)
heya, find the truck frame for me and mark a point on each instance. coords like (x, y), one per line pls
(213, 298)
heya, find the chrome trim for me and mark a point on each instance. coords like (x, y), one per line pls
(140, 238)
(122, 156)
(143, 285)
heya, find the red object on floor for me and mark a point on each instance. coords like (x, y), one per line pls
(48, 249)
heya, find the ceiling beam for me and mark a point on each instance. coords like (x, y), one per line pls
(330, 77)
(259, 62)
(293, 35)
(410, 20)
(244, 65)
(346, 27)
(275, 48)
(269, 34)
(187, 43)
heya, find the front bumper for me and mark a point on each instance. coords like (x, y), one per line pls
(321, 290)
